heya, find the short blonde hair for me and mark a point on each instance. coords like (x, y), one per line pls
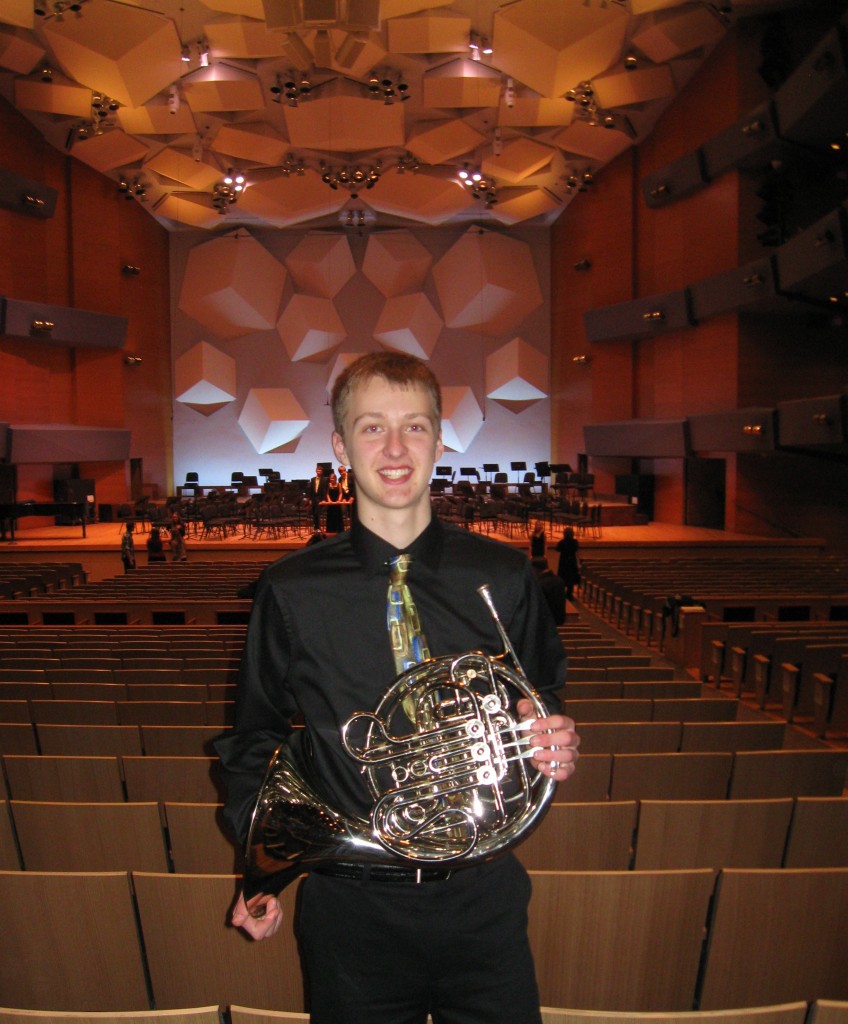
(397, 368)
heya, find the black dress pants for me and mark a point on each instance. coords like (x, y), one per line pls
(379, 952)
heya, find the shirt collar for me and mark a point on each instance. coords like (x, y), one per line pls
(374, 553)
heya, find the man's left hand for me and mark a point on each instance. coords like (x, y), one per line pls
(556, 741)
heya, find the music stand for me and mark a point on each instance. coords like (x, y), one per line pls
(444, 471)
(469, 471)
(489, 468)
(517, 467)
(543, 469)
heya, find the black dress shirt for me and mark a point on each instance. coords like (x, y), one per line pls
(318, 644)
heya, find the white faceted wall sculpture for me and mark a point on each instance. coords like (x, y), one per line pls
(396, 262)
(272, 419)
(409, 324)
(516, 375)
(321, 264)
(205, 378)
(462, 418)
(341, 362)
(310, 328)
(487, 282)
(232, 285)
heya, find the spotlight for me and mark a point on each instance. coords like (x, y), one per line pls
(584, 264)
(185, 54)
(276, 90)
(47, 74)
(132, 360)
(131, 270)
(203, 50)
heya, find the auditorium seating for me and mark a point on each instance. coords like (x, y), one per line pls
(679, 786)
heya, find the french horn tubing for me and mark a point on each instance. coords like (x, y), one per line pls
(452, 787)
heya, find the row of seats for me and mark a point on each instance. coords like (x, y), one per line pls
(647, 835)
(822, 1011)
(161, 776)
(802, 669)
(192, 740)
(647, 941)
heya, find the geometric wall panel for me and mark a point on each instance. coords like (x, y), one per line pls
(341, 362)
(272, 418)
(310, 328)
(205, 378)
(396, 262)
(321, 264)
(517, 160)
(487, 282)
(516, 375)
(462, 418)
(232, 285)
(409, 324)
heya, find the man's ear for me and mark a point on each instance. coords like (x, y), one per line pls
(440, 446)
(339, 448)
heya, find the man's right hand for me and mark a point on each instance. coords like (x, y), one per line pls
(262, 920)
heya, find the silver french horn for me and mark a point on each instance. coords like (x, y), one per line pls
(447, 766)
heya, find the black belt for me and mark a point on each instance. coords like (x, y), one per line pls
(391, 873)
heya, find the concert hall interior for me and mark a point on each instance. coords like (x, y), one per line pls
(617, 230)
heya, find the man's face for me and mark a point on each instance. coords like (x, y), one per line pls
(391, 444)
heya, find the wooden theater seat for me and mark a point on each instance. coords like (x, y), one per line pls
(9, 857)
(185, 779)
(774, 773)
(777, 936)
(674, 776)
(617, 940)
(90, 837)
(588, 785)
(818, 834)
(678, 834)
(191, 1015)
(81, 779)
(80, 952)
(199, 842)
(581, 837)
(786, 1013)
(244, 1015)
(225, 968)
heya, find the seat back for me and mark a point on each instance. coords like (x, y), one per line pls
(45, 964)
(182, 923)
(773, 937)
(641, 932)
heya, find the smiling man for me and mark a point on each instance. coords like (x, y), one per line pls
(389, 946)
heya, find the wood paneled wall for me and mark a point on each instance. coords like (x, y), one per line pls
(75, 259)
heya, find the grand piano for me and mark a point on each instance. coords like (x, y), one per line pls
(75, 511)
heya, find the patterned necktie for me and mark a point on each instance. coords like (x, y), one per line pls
(409, 645)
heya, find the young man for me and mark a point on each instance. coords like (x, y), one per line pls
(390, 949)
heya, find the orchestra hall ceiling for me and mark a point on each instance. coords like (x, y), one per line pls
(284, 113)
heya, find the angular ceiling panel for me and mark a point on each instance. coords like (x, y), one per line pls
(382, 84)
(552, 48)
(125, 52)
(283, 201)
(19, 51)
